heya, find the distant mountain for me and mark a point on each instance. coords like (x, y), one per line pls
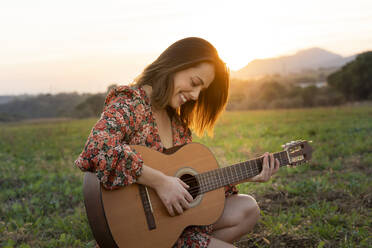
(312, 58)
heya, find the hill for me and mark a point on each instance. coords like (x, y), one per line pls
(313, 59)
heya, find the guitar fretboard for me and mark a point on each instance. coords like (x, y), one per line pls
(221, 177)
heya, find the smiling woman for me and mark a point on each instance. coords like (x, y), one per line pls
(185, 69)
(184, 89)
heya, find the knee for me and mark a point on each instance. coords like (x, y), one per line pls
(251, 212)
(255, 209)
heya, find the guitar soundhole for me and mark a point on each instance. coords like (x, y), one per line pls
(193, 183)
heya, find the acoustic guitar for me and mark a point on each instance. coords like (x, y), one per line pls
(134, 216)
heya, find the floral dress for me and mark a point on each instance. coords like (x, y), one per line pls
(127, 119)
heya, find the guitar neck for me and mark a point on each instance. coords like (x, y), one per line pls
(233, 174)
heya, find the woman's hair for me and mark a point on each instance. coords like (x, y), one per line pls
(200, 115)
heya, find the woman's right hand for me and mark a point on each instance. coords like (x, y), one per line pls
(174, 195)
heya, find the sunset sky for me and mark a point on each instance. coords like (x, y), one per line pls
(49, 46)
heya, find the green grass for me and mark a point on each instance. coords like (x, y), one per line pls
(326, 203)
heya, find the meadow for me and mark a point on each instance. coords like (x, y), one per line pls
(326, 203)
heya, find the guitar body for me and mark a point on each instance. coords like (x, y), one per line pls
(134, 216)
(117, 217)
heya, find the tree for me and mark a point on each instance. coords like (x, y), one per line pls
(308, 95)
(271, 90)
(354, 80)
(92, 106)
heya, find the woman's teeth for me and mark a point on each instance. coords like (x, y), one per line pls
(183, 98)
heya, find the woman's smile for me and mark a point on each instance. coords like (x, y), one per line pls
(183, 99)
(188, 83)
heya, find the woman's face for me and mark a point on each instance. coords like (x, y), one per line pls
(189, 82)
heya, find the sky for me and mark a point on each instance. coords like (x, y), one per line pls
(49, 46)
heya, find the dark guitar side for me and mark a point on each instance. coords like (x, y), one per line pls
(123, 212)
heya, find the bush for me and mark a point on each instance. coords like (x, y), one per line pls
(354, 80)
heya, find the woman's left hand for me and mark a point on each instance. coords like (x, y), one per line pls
(269, 168)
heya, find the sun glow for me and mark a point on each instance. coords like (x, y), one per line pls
(124, 36)
(250, 30)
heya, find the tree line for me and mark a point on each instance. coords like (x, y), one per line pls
(72, 105)
(352, 82)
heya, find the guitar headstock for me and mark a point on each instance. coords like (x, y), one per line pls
(298, 152)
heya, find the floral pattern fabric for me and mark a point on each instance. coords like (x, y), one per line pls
(127, 119)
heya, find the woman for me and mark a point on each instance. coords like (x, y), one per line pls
(185, 88)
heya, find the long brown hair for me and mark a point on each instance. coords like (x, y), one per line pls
(200, 115)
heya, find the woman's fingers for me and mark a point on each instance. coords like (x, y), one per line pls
(181, 205)
(188, 197)
(183, 183)
(265, 168)
(185, 205)
(277, 165)
(270, 166)
(187, 194)
(170, 210)
(178, 208)
(272, 163)
(174, 195)
(180, 202)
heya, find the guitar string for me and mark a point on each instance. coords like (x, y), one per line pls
(239, 176)
(210, 185)
(191, 179)
(218, 174)
(213, 182)
(209, 182)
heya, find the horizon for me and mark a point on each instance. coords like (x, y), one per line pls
(106, 43)
(102, 91)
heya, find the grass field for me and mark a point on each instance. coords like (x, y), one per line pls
(326, 203)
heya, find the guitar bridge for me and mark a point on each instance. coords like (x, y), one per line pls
(147, 207)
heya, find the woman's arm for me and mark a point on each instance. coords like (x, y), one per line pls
(117, 165)
(105, 153)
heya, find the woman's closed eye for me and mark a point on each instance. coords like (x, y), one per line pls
(193, 83)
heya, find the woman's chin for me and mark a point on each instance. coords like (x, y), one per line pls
(174, 106)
